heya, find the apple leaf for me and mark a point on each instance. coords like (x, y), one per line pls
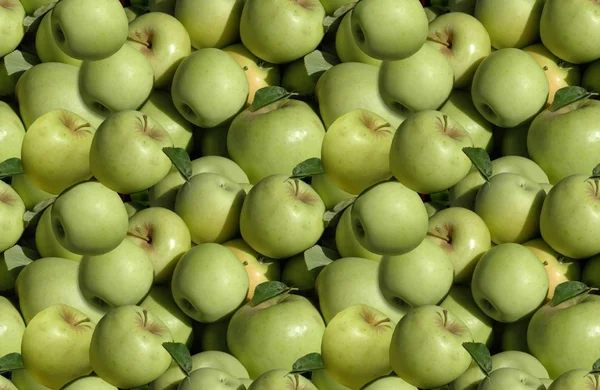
(567, 95)
(481, 159)
(19, 256)
(181, 354)
(310, 362)
(338, 14)
(318, 256)
(267, 95)
(481, 355)
(267, 290)
(19, 61)
(337, 210)
(181, 159)
(142, 198)
(10, 167)
(37, 14)
(319, 61)
(596, 172)
(307, 168)
(11, 362)
(142, 5)
(38, 208)
(567, 290)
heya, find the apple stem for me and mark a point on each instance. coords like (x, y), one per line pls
(83, 321)
(138, 39)
(382, 322)
(437, 233)
(437, 38)
(444, 317)
(137, 233)
(145, 319)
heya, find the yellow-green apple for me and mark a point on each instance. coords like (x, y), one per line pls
(281, 379)
(356, 150)
(295, 78)
(7, 384)
(163, 194)
(373, 22)
(590, 274)
(460, 302)
(29, 192)
(570, 216)
(427, 72)
(7, 82)
(126, 348)
(350, 86)
(281, 217)
(213, 336)
(12, 210)
(463, 40)
(357, 328)
(210, 378)
(12, 133)
(511, 378)
(460, 108)
(209, 283)
(209, 88)
(561, 153)
(160, 302)
(329, 192)
(56, 151)
(12, 327)
(120, 82)
(568, 28)
(89, 219)
(427, 155)
(275, 138)
(420, 277)
(346, 47)
(559, 268)
(56, 344)
(391, 382)
(560, 73)
(210, 205)
(132, 13)
(591, 77)
(346, 242)
(7, 278)
(213, 141)
(89, 382)
(290, 323)
(466, 6)
(46, 47)
(332, 5)
(89, 29)
(23, 380)
(323, 381)
(433, 11)
(509, 267)
(51, 86)
(514, 97)
(576, 379)
(352, 280)
(564, 337)
(46, 242)
(514, 336)
(259, 268)
(260, 74)
(296, 274)
(426, 349)
(163, 40)
(12, 14)
(513, 141)
(164, 236)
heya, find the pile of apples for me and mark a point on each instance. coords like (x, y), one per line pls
(299, 194)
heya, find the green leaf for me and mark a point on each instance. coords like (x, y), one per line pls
(142, 5)
(568, 95)
(440, 197)
(338, 209)
(10, 362)
(596, 172)
(38, 208)
(268, 290)
(480, 158)
(319, 256)
(596, 367)
(481, 355)
(568, 290)
(37, 14)
(181, 354)
(311, 362)
(319, 61)
(338, 14)
(19, 61)
(19, 256)
(181, 160)
(10, 167)
(143, 197)
(268, 95)
(311, 167)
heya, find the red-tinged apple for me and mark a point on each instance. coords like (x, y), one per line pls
(12, 132)
(12, 14)
(160, 302)
(56, 344)
(346, 47)
(12, 210)
(295, 78)
(89, 382)
(346, 242)
(459, 302)
(281, 379)
(46, 47)
(210, 378)
(46, 242)
(12, 328)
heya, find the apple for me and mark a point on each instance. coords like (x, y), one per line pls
(209, 88)
(31, 5)
(275, 138)
(576, 379)
(213, 336)
(132, 13)
(513, 141)
(46, 242)
(323, 381)
(210, 378)
(164, 236)
(163, 40)
(426, 349)
(279, 379)
(346, 242)
(591, 76)
(346, 47)
(7, 278)
(330, 193)
(56, 151)
(46, 47)
(463, 40)
(29, 192)
(514, 336)
(7, 83)
(165, 6)
(460, 302)
(11, 327)
(160, 302)
(89, 219)
(12, 14)
(511, 378)
(213, 141)
(24, 381)
(89, 29)
(590, 274)
(55, 345)
(275, 333)
(332, 5)
(296, 274)
(12, 210)
(373, 22)
(391, 382)
(12, 133)
(295, 78)
(6, 384)
(89, 382)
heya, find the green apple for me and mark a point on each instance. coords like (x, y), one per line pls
(275, 138)
(350, 86)
(514, 336)
(32, 5)
(296, 274)
(209, 283)
(12, 14)
(346, 47)
(420, 82)
(56, 344)
(165, 6)
(163, 40)
(213, 141)
(275, 333)
(329, 192)
(8, 82)
(391, 382)
(389, 219)
(6, 384)
(12, 133)
(576, 379)
(46, 242)
(24, 381)
(295, 78)
(120, 82)
(89, 29)
(281, 217)
(420, 277)
(346, 242)
(11, 328)
(562, 153)
(7, 278)
(509, 87)
(353, 280)
(281, 379)
(466, 6)
(591, 77)
(46, 47)
(210, 378)
(90, 382)
(433, 12)
(209, 88)
(427, 152)
(513, 23)
(463, 40)
(355, 345)
(509, 283)
(213, 336)
(513, 141)
(210, 205)
(460, 302)
(89, 219)
(29, 192)
(356, 151)
(132, 13)
(426, 349)
(126, 348)
(323, 381)
(160, 302)
(590, 274)
(331, 6)
(511, 378)
(375, 21)
(12, 210)
(56, 151)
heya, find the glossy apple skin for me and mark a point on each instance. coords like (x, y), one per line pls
(12, 327)
(12, 210)
(12, 31)
(12, 133)
(47, 48)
